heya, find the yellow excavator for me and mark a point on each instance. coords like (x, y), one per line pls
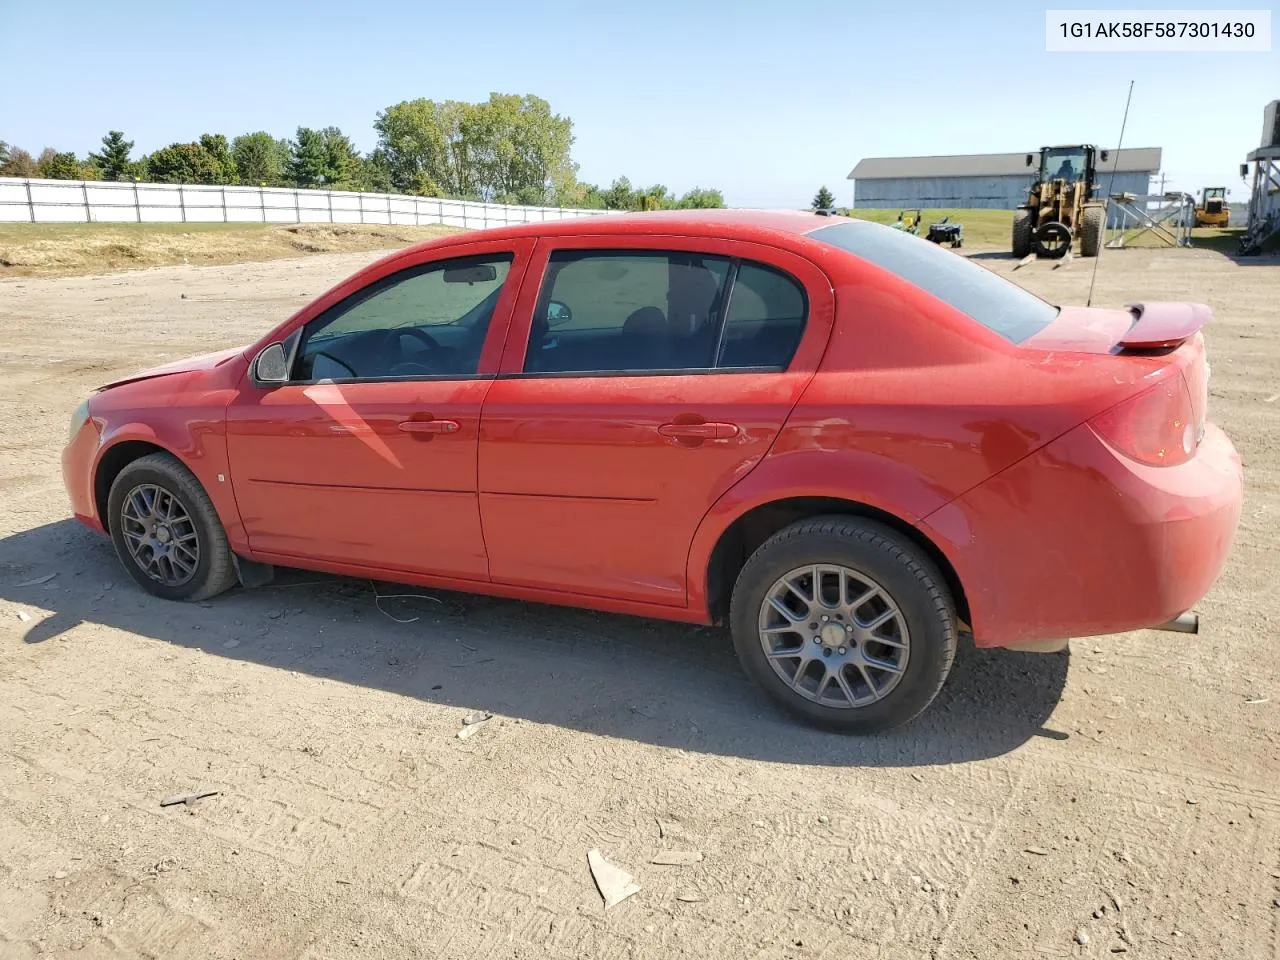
(1212, 210)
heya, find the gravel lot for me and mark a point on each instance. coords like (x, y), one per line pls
(1124, 797)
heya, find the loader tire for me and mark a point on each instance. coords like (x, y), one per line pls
(1091, 231)
(1021, 233)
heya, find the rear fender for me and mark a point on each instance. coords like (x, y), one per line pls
(850, 475)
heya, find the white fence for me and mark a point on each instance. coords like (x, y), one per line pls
(91, 201)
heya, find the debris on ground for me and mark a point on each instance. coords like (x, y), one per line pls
(1038, 851)
(689, 898)
(1082, 938)
(471, 726)
(187, 798)
(37, 581)
(478, 717)
(614, 883)
(1259, 700)
(677, 858)
(24, 616)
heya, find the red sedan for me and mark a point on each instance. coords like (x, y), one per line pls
(836, 438)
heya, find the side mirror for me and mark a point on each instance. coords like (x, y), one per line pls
(271, 365)
(1030, 159)
(558, 314)
(1106, 155)
(1244, 170)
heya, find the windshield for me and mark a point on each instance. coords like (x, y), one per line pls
(998, 304)
(1063, 163)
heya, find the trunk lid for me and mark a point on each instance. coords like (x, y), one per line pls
(1168, 333)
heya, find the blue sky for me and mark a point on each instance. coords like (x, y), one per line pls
(766, 101)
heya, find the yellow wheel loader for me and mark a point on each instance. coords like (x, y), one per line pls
(1060, 204)
(1212, 210)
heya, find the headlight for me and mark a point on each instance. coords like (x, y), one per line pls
(78, 420)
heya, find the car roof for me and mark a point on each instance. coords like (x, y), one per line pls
(737, 224)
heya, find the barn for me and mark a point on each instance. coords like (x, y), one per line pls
(991, 180)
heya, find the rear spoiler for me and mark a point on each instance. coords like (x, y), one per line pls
(1164, 324)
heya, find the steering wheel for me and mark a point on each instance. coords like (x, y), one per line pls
(406, 367)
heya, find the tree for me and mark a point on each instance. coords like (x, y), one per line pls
(342, 160)
(506, 147)
(619, 195)
(215, 144)
(183, 163)
(113, 161)
(701, 199)
(260, 159)
(374, 173)
(53, 165)
(823, 199)
(4, 153)
(308, 159)
(18, 163)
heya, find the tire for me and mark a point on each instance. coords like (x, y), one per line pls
(1022, 231)
(912, 594)
(160, 479)
(1091, 224)
(1055, 232)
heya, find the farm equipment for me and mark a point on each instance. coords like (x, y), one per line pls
(908, 221)
(1212, 210)
(1060, 204)
(944, 232)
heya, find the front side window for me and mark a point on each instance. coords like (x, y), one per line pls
(607, 311)
(427, 321)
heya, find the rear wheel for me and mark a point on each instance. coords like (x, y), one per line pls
(1021, 233)
(844, 623)
(1091, 224)
(166, 531)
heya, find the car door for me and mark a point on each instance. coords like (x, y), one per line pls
(641, 379)
(367, 455)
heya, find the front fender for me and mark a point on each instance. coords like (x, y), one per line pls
(190, 425)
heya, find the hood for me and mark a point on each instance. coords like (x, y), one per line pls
(1142, 326)
(200, 364)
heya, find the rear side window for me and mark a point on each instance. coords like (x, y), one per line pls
(646, 311)
(765, 320)
(998, 304)
(610, 312)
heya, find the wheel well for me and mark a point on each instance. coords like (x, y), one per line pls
(744, 535)
(109, 467)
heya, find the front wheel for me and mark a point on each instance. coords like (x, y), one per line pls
(166, 530)
(845, 623)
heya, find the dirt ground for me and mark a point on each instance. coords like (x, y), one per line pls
(1122, 798)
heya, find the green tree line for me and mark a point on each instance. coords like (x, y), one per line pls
(508, 149)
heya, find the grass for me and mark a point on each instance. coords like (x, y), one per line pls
(991, 229)
(66, 249)
(982, 228)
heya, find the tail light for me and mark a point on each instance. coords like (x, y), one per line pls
(1157, 427)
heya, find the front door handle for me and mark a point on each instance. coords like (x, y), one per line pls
(429, 426)
(699, 431)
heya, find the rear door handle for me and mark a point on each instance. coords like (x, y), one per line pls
(429, 426)
(699, 431)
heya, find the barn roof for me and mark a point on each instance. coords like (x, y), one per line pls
(1131, 160)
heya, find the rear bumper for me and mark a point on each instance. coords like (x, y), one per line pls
(1077, 540)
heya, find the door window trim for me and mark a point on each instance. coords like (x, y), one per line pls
(731, 277)
(375, 287)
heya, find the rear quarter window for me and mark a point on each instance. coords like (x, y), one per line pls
(998, 304)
